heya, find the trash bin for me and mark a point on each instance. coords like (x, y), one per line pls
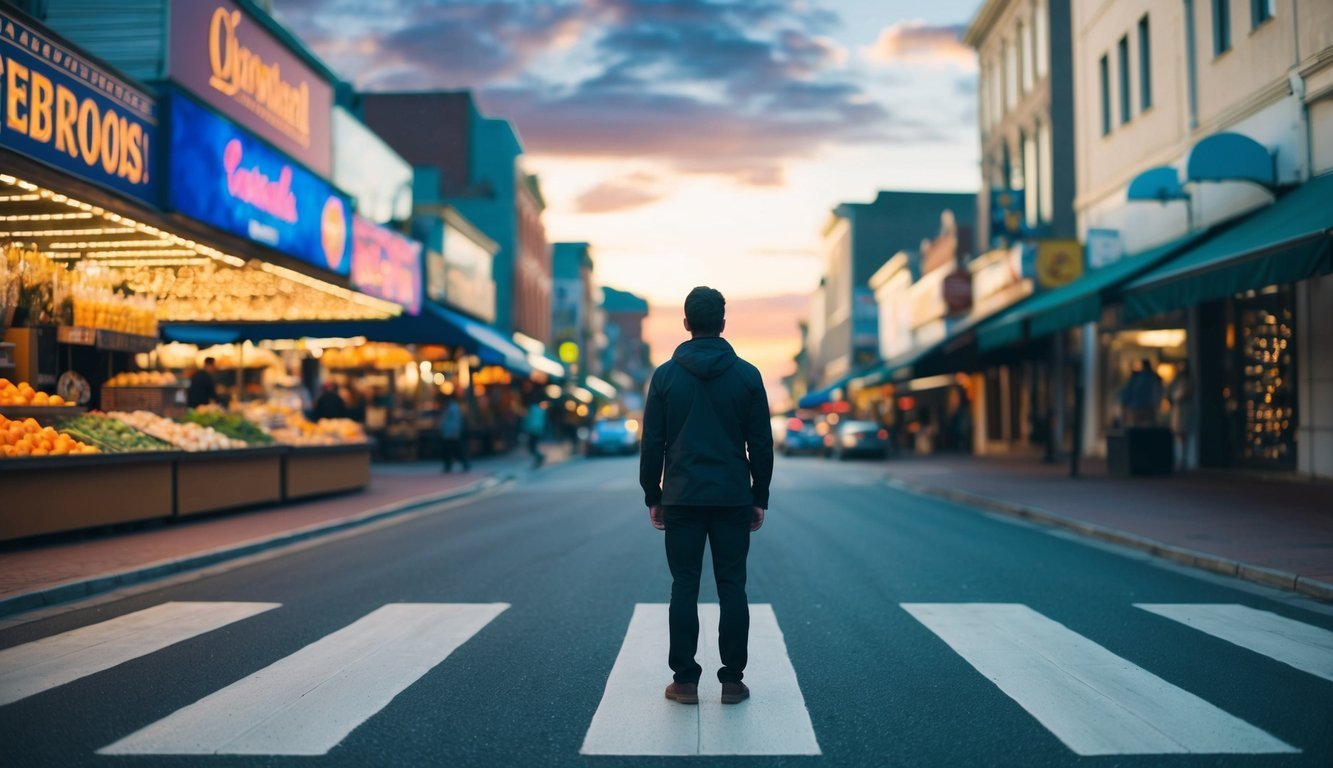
(1140, 451)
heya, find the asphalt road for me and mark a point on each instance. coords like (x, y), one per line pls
(570, 551)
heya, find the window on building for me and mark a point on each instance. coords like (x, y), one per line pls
(1261, 11)
(1122, 52)
(1145, 65)
(983, 99)
(1221, 26)
(1025, 61)
(1016, 180)
(1010, 75)
(1046, 202)
(1040, 39)
(1031, 181)
(996, 93)
(1104, 67)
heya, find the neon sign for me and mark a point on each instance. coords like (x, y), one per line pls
(57, 107)
(223, 176)
(386, 264)
(227, 58)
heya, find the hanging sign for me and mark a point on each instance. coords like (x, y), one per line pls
(228, 59)
(386, 264)
(58, 107)
(224, 176)
(1059, 262)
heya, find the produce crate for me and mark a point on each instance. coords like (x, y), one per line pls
(52, 494)
(210, 481)
(166, 401)
(319, 470)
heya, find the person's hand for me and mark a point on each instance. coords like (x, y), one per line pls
(757, 519)
(655, 517)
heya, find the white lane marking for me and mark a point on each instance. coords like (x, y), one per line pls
(306, 703)
(1305, 647)
(1092, 700)
(634, 718)
(774, 720)
(54, 661)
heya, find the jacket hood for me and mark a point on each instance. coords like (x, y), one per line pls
(706, 358)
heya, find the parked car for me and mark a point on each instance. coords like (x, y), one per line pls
(619, 437)
(859, 438)
(801, 437)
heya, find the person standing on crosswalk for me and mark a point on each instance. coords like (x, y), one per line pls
(705, 465)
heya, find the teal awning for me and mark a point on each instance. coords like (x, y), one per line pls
(1289, 241)
(1077, 303)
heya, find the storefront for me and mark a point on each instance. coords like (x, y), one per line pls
(110, 224)
(1256, 297)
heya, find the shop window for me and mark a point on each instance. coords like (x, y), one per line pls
(1104, 68)
(1145, 65)
(1221, 27)
(1261, 11)
(1265, 381)
(1122, 51)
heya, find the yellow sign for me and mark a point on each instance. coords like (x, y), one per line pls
(1059, 262)
(569, 352)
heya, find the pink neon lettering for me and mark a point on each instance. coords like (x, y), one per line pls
(250, 185)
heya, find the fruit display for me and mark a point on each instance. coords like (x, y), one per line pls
(232, 425)
(142, 379)
(22, 394)
(88, 295)
(289, 426)
(28, 438)
(111, 435)
(372, 355)
(186, 436)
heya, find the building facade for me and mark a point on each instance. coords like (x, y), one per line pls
(1194, 118)
(474, 163)
(626, 357)
(858, 238)
(573, 315)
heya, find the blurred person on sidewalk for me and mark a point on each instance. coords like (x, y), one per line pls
(1141, 398)
(452, 431)
(534, 426)
(330, 404)
(705, 467)
(203, 387)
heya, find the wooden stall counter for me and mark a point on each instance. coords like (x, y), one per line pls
(319, 470)
(210, 481)
(52, 494)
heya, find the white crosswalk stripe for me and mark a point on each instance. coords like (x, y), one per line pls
(634, 718)
(1305, 647)
(1095, 702)
(51, 662)
(308, 702)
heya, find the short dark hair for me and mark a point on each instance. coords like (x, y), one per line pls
(705, 309)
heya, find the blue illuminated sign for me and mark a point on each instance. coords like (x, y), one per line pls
(58, 107)
(222, 175)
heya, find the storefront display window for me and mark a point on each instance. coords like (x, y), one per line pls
(1266, 377)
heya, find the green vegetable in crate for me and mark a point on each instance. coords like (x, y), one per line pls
(110, 435)
(230, 424)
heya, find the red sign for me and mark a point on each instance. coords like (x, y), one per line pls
(230, 61)
(958, 291)
(386, 264)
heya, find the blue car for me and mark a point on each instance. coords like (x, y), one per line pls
(802, 439)
(613, 437)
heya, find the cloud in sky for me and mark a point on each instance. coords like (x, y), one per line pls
(614, 195)
(738, 88)
(919, 43)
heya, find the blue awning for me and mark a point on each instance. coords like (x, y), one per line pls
(1289, 241)
(435, 325)
(1077, 303)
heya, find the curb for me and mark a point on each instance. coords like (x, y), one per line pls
(1269, 577)
(93, 585)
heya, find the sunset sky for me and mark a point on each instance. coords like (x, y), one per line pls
(691, 142)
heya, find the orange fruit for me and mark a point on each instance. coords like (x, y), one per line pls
(40, 452)
(57, 400)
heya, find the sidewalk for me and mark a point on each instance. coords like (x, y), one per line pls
(48, 571)
(1270, 531)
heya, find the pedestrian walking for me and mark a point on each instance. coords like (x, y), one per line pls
(534, 426)
(452, 429)
(203, 387)
(705, 467)
(330, 404)
(1141, 398)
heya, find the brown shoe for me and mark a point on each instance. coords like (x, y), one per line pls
(683, 693)
(734, 693)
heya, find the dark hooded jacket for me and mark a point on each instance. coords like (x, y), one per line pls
(706, 424)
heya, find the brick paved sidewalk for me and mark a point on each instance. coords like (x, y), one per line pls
(1272, 531)
(45, 565)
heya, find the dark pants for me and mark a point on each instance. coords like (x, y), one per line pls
(727, 531)
(454, 449)
(534, 448)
